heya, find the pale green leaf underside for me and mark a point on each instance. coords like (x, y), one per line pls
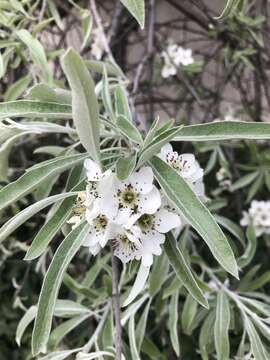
(195, 212)
(85, 108)
(136, 8)
(36, 176)
(34, 109)
(224, 130)
(51, 285)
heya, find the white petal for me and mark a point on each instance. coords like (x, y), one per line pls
(93, 171)
(93, 238)
(165, 150)
(142, 180)
(166, 221)
(149, 203)
(94, 250)
(138, 284)
(147, 259)
(108, 202)
(109, 234)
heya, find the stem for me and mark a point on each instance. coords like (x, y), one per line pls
(116, 308)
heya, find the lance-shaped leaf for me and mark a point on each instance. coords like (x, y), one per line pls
(52, 226)
(37, 53)
(258, 349)
(27, 213)
(229, 9)
(136, 8)
(36, 176)
(225, 130)
(182, 270)
(85, 109)
(34, 109)
(51, 286)
(156, 144)
(222, 324)
(187, 203)
(125, 166)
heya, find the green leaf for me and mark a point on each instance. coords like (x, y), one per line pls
(250, 251)
(27, 318)
(98, 67)
(182, 270)
(173, 320)
(155, 146)
(63, 329)
(257, 347)
(17, 88)
(229, 9)
(222, 324)
(195, 212)
(137, 9)
(132, 338)
(158, 274)
(121, 103)
(46, 93)
(51, 227)
(85, 109)
(51, 286)
(36, 176)
(125, 166)
(27, 213)
(34, 109)
(37, 53)
(231, 227)
(129, 130)
(206, 334)
(141, 325)
(225, 130)
(188, 314)
(244, 181)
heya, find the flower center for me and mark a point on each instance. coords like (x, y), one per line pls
(145, 222)
(128, 198)
(100, 223)
(79, 207)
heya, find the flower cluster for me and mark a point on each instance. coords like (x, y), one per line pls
(259, 216)
(132, 215)
(173, 57)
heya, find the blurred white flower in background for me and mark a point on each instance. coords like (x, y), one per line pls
(173, 57)
(259, 216)
(223, 178)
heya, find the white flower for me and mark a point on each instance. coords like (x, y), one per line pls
(153, 228)
(259, 216)
(173, 57)
(187, 166)
(168, 69)
(123, 202)
(126, 243)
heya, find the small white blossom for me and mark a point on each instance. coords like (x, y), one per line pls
(187, 166)
(124, 201)
(153, 228)
(223, 177)
(173, 57)
(259, 216)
